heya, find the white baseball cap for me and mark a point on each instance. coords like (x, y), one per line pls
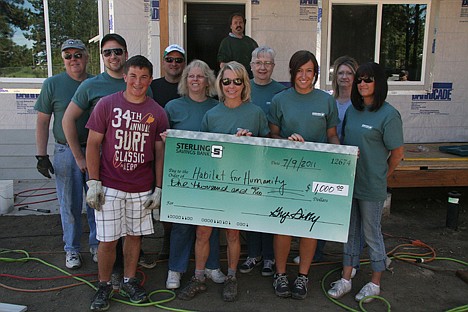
(174, 47)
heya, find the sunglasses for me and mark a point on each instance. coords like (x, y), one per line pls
(116, 51)
(366, 80)
(227, 81)
(178, 60)
(69, 56)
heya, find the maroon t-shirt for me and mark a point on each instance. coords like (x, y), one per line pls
(130, 132)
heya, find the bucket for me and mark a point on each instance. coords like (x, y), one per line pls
(6, 196)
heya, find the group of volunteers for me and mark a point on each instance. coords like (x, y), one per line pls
(110, 130)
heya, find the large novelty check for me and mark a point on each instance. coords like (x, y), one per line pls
(258, 184)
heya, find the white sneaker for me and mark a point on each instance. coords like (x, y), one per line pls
(297, 260)
(216, 275)
(94, 254)
(340, 288)
(370, 289)
(173, 280)
(73, 260)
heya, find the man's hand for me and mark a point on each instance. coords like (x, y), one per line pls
(154, 200)
(95, 195)
(44, 165)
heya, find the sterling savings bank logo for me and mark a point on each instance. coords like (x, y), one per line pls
(214, 151)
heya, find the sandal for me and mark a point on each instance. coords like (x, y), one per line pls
(194, 287)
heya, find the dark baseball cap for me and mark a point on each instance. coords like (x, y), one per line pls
(73, 44)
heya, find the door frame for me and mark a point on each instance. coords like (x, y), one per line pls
(182, 11)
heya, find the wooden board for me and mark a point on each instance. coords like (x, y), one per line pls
(425, 166)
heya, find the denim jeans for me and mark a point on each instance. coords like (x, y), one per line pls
(365, 217)
(260, 244)
(182, 242)
(70, 183)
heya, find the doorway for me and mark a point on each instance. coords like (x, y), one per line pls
(207, 25)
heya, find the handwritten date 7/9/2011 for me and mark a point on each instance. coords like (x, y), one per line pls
(293, 163)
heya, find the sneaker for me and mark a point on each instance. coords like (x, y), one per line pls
(173, 280)
(340, 288)
(73, 260)
(94, 253)
(297, 260)
(370, 289)
(147, 261)
(299, 290)
(216, 275)
(100, 301)
(281, 286)
(353, 273)
(194, 287)
(268, 269)
(249, 264)
(116, 279)
(133, 290)
(230, 289)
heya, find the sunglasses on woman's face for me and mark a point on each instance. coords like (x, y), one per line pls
(236, 81)
(366, 80)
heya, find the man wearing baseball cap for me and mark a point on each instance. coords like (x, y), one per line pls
(173, 63)
(54, 98)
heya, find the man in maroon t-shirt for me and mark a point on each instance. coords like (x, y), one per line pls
(124, 157)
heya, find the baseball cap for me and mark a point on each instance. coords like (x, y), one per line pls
(174, 47)
(73, 44)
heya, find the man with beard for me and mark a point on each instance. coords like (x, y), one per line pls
(237, 46)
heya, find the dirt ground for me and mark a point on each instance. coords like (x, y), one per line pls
(416, 214)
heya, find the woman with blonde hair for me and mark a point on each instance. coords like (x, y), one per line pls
(236, 115)
(197, 88)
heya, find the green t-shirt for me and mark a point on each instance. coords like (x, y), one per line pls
(237, 49)
(221, 119)
(56, 93)
(376, 134)
(309, 115)
(261, 95)
(92, 90)
(185, 114)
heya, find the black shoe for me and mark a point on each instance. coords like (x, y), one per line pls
(133, 290)
(250, 264)
(100, 301)
(299, 290)
(281, 285)
(230, 289)
(193, 288)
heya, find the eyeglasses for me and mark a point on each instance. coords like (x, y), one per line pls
(366, 80)
(197, 77)
(227, 81)
(260, 63)
(69, 56)
(178, 60)
(116, 51)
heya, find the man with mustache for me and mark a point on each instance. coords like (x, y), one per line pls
(237, 46)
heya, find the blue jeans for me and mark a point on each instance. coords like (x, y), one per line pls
(365, 222)
(260, 244)
(182, 242)
(70, 183)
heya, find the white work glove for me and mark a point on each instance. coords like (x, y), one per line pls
(154, 200)
(95, 195)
